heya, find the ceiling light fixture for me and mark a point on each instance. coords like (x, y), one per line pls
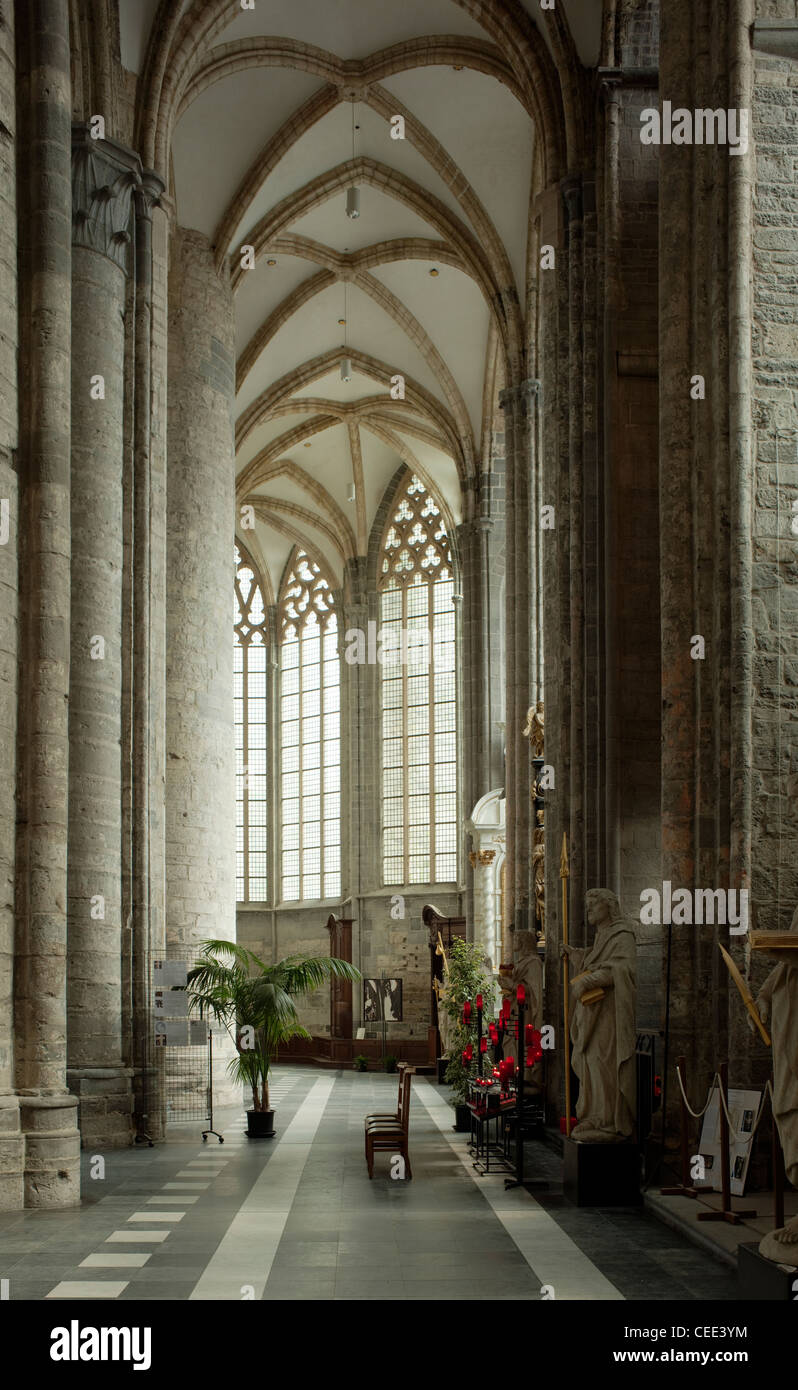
(350, 496)
(435, 272)
(353, 193)
(346, 364)
(272, 262)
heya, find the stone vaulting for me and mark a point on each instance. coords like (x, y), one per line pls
(544, 381)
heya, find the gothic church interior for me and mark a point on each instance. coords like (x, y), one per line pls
(398, 476)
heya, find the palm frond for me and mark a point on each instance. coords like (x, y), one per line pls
(236, 987)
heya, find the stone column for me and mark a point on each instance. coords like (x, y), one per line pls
(103, 177)
(517, 403)
(481, 861)
(361, 867)
(11, 1142)
(142, 680)
(340, 929)
(200, 736)
(47, 1110)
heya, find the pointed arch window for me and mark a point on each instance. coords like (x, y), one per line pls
(419, 697)
(250, 700)
(310, 736)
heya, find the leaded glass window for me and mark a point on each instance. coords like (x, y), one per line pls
(310, 736)
(419, 697)
(249, 694)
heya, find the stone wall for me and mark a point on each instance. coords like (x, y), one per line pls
(774, 578)
(397, 946)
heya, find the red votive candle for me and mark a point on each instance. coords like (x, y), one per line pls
(467, 1011)
(479, 1001)
(520, 994)
(483, 1044)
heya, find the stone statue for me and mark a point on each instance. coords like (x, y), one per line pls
(777, 1003)
(603, 1031)
(539, 875)
(534, 728)
(526, 970)
(444, 1021)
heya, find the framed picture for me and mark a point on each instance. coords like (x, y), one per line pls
(743, 1109)
(382, 999)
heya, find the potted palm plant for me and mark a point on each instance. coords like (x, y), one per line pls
(256, 1004)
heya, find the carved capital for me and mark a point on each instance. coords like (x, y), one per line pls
(483, 857)
(522, 395)
(572, 197)
(104, 175)
(148, 193)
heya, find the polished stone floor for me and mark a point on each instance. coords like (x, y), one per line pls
(297, 1218)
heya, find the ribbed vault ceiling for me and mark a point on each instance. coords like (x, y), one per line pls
(431, 278)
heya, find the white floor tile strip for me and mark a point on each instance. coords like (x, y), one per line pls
(167, 1201)
(120, 1237)
(157, 1216)
(109, 1261)
(244, 1257)
(87, 1288)
(555, 1258)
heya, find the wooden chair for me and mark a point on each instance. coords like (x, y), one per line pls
(392, 1135)
(391, 1114)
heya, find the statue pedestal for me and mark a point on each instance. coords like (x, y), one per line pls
(601, 1175)
(762, 1279)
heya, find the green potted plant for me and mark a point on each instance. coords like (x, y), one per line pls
(466, 978)
(390, 1064)
(360, 1063)
(256, 1003)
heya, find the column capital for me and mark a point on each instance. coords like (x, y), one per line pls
(522, 394)
(572, 197)
(104, 175)
(148, 193)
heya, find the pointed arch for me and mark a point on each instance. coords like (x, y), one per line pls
(418, 689)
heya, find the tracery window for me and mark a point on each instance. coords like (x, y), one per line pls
(310, 736)
(419, 704)
(249, 694)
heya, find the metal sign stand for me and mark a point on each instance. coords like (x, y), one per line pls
(210, 1129)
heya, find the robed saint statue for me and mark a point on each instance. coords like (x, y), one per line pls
(603, 1006)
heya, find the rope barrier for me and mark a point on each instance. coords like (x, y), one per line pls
(696, 1114)
(740, 1137)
